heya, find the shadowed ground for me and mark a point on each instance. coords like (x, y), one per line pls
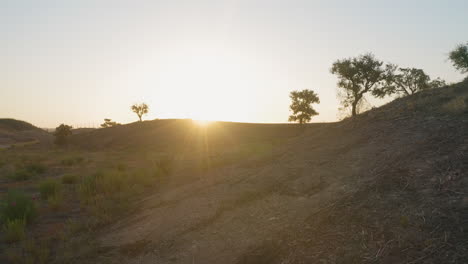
(387, 187)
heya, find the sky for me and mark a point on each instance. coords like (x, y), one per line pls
(78, 62)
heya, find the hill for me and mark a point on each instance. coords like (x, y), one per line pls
(388, 186)
(179, 134)
(14, 131)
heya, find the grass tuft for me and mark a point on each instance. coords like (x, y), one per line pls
(17, 206)
(35, 168)
(21, 175)
(72, 161)
(49, 188)
(69, 179)
(14, 230)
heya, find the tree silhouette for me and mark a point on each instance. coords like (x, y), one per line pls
(409, 81)
(459, 57)
(140, 109)
(301, 105)
(109, 123)
(360, 75)
(61, 134)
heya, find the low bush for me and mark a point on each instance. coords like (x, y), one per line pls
(17, 206)
(88, 185)
(49, 188)
(21, 175)
(72, 161)
(35, 168)
(26, 171)
(14, 230)
(69, 179)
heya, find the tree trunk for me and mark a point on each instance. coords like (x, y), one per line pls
(353, 108)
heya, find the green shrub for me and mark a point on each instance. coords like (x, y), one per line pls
(27, 171)
(21, 175)
(35, 168)
(14, 230)
(72, 161)
(88, 185)
(49, 188)
(69, 179)
(17, 206)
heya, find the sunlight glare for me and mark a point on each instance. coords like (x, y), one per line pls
(202, 123)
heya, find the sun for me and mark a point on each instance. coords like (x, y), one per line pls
(202, 123)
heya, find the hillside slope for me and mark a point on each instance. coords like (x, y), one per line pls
(389, 186)
(15, 131)
(177, 134)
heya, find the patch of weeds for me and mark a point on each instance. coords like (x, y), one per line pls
(35, 168)
(14, 230)
(106, 194)
(49, 188)
(69, 179)
(104, 183)
(26, 171)
(20, 175)
(88, 186)
(456, 105)
(55, 202)
(17, 206)
(121, 167)
(72, 161)
(71, 227)
(29, 251)
(145, 178)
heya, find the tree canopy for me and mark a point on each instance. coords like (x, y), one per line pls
(301, 106)
(360, 75)
(140, 109)
(459, 57)
(109, 123)
(61, 134)
(407, 81)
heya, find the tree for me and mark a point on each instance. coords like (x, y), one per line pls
(301, 105)
(61, 134)
(109, 123)
(411, 80)
(140, 109)
(360, 75)
(459, 57)
(437, 83)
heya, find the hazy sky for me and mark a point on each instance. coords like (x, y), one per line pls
(78, 62)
